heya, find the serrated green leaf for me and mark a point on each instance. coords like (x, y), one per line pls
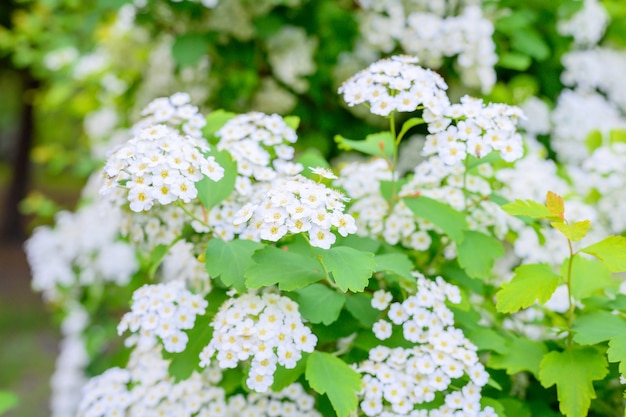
(531, 283)
(521, 355)
(573, 371)
(351, 268)
(574, 231)
(377, 144)
(215, 121)
(398, 263)
(488, 339)
(611, 251)
(528, 208)
(284, 377)
(189, 48)
(588, 276)
(229, 260)
(451, 221)
(319, 304)
(287, 269)
(8, 400)
(362, 243)
(327, 374)
(210, 192)
(515, 408)
(360, 306)
(617, 351)
(555, 205)
(596, 327)
(477, 253)
(292, 121)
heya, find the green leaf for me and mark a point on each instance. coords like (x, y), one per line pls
(215, 121)
(477, 253)
(360, 306)
(531, 283)
(351, 268)
(319, 304)
(529, 42)
(555, 205)
(327, 374)
(377, 144)
(443, 216)
(514, 61)
(528, 208)
(189, 48)
(412, 122)
(183, 364)
(398, 263)
(596, 327)
(387, 190)
(156, 257)
(210, 192)
(362, 243)
(312, 158)
(617, 136)
(287, 269)
(8, 400)
(573, 371)
(611, 251)
(229, 260)
(515, 408)
(574, 231)
(617, 351)
(487, 339)
(588, 276)
(292, 121)
(521, 355)
(593, 140)
(284, 377)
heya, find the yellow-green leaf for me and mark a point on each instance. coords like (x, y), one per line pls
(531, 283)
(611, 251)
(574, 231)
(555, 205)
(527, 208)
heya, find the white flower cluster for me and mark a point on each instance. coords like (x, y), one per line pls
(587, 26)
(159, 164)
(266, 329)
(78, 251)
(396, 380)
(575, 116)
(597, 68)
(159, 226)
(260, 144)
(175, 111)
(433, 30)
(144, 388)
(296, 205)
(162, 310)
(471, 127)
(396, 84)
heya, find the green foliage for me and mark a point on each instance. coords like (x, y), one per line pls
(377, 144)
(443, 216)
(611, 251)
(284, 377)
(588, 277)
(531, 283)
(327, 374)
(189, 48)
(8, 400)
(319, 304)
(596, 327)
(575, 231)
(215, 120)
(210, 192)
(397, 263)
(477, 253)
(519, 355)
(528, 208)
(289, 270)
(351, 269)
(230, 260)
(573, 372)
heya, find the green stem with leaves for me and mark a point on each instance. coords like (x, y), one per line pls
(570, 300)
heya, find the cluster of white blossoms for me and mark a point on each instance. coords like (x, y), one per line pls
(78, 251)
(433, 30)
(599, 69)
(175, 111)
(159, 165)
(261, 146)
(588, 25)
(144, 388)
(471, 127)
(576, 115)
(266, 329)
(396, 380)
(296, 205)
(164, 311)
(396, 84)
(159, 226)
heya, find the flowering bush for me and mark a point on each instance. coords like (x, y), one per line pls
(439, 266)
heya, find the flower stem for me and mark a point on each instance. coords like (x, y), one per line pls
(570, 300)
